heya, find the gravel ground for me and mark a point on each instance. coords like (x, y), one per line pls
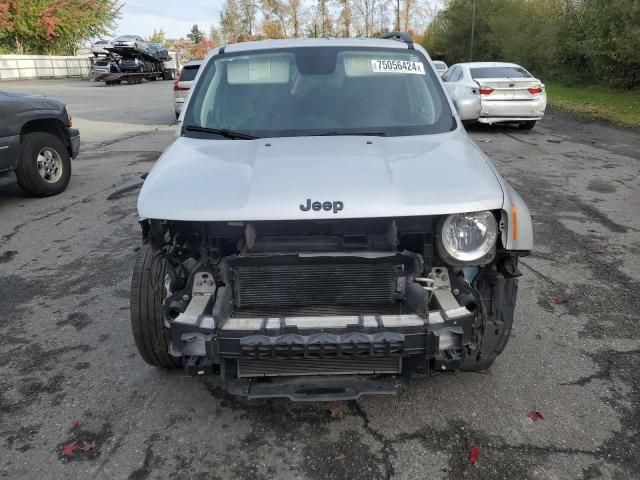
(69, 370)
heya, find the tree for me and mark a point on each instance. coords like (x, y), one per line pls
(248, 17)
(214, 35)
(231, 25)
(271, 28)
(294, 10)
(196, 36)
(54, 26)
(324, 21)
(198, 51)
(345, 18)
(366, 10)
(575, 41)
(158, 36)
(275, 9)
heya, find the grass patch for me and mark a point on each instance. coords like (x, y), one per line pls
(621, 107)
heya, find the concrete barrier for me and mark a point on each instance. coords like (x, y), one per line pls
(17, 67)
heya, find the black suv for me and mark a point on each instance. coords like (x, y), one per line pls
(37, 142)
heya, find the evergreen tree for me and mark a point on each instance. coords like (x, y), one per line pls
(196, 36)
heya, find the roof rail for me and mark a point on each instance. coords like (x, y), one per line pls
(400, 36)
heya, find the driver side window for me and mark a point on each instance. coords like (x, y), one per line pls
(451, 74)
(456, 74)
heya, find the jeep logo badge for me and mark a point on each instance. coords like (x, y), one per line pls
(336, 206)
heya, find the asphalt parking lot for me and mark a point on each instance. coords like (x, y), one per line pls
(69, 370)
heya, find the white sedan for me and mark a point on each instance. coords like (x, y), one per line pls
(441, 67)
(508, 93)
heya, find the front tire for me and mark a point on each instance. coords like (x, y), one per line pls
(528, 125)
(147, 296)
(44, 168)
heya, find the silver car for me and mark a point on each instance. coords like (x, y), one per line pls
(323, 227)
(441, 67)
(507, 92)
(131, 41)
(98, 48)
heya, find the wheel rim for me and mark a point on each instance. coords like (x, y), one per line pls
(49, 165)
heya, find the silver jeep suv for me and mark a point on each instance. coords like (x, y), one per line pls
(323, 227)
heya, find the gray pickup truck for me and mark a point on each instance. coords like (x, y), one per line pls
(37, 142)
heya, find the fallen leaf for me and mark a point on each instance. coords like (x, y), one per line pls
(535, 416)
(87, 446)
(341, 456)
(69, 449)
(75, 424)
(474, 455)
(337, 413)
(558, 299)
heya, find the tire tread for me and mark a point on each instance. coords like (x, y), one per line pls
(146, 310)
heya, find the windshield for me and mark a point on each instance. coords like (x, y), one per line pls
(319, 91)
(500, 72)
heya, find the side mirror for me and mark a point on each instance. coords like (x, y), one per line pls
(468, 107)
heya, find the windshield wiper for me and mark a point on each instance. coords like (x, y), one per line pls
(223, 132)
(356, 133)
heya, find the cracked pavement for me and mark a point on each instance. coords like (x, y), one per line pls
(69, 370)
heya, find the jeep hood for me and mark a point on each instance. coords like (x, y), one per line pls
(269, 179)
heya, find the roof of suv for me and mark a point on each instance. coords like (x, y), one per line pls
(315, 42)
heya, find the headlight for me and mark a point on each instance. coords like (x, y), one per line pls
(468, 237)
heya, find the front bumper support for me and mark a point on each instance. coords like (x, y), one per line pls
(343, 387)
(320, 357)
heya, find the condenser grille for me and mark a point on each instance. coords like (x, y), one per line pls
(312, 366)
(315, 284)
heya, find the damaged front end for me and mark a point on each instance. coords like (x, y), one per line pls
(325, 309)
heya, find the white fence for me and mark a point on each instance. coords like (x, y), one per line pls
(16, 67)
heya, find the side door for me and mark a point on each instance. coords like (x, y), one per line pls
(450, 77)
(9, 139)
(144, 46)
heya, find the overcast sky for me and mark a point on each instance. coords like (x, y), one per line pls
(140, 17)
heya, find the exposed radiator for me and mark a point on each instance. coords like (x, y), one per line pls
(312, 282)
(312, 366)
(278, 311)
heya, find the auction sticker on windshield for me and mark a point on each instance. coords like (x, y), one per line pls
(397, 66)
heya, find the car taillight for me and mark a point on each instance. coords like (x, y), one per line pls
(486, 90)
(176, 87)
(535, 90)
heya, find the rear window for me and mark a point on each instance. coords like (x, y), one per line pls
(500, 72)
(189, 73)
